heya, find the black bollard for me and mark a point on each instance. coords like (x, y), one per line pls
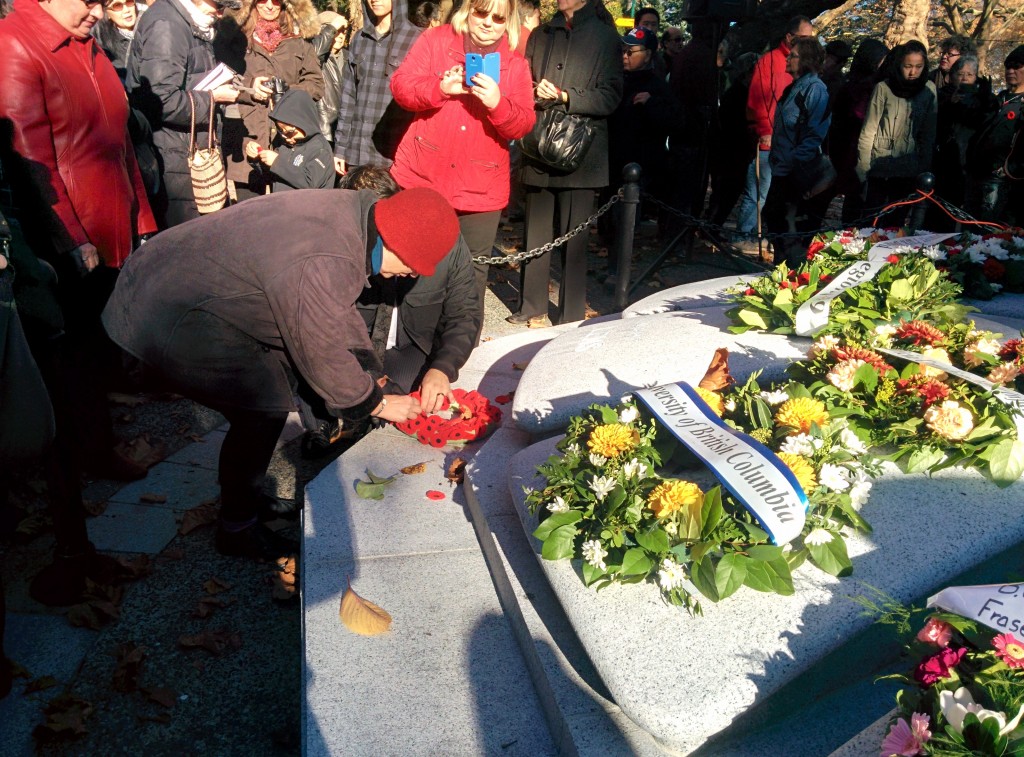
(624, 237)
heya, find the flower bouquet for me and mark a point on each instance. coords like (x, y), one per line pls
(965, 695)
(469, 418)
(984, 265)
(910, 287)
(927, 417)
(628, 500)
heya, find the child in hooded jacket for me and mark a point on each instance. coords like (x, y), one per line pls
(302, 158)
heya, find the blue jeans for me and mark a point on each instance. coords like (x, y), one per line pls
(746, 212)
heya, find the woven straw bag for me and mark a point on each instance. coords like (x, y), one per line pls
(209, 182)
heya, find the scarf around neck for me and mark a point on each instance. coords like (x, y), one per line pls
(202, 22)
(268, 33)
(900, 87)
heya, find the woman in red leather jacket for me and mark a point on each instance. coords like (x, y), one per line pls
(458, 142)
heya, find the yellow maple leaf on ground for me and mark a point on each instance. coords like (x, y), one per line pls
(362, 616)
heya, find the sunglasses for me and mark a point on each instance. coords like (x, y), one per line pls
(496, 18)
(629, 53)
(120, 5)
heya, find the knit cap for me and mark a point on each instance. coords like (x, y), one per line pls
(419, 226)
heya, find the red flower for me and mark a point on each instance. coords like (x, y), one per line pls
(892, 259)
(938, 667)
(927, 388)
(804, 278)
(816, 246)
(993, 270)
(824, 278)
(1013, 350)
(1011, 115)
(474, 418)
(750, 292)
(919, 332)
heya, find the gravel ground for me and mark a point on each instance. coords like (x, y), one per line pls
(245, 699)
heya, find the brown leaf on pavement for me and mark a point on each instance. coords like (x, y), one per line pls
(65, 719)
(413, 469)
(174, 553)
(143, 450)
(215, 642)
(152, 499)
(94, 508)
(362, 616)
(216, 585)
(202, 514)
(207, 605)
(456, 472)
(100, 605)
(284, 579)
(520, 366)
(40, 684)
(128, 667)
(163, 697)
(717, 376)
(134, 568)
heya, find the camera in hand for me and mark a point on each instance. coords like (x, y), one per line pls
(278, 86)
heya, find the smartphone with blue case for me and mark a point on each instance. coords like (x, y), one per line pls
(489, 64)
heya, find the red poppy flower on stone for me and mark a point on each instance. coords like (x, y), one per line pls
(892, 259)
(993, 270)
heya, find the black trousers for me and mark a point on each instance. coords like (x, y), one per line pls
(479, 230)
(573, 207)
(786, 213)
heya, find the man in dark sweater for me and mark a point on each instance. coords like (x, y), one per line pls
(237, 309)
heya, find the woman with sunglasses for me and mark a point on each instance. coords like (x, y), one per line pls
(458, 141)
(114, 32)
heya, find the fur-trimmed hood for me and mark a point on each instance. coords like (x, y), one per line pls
(301, 13)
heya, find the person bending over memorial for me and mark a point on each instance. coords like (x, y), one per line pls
(423, 329)
(238, 309)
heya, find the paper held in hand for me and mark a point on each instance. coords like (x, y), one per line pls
(222, 74)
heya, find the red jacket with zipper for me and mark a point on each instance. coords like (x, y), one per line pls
(455, 145)
(766, 88)
(68, 113)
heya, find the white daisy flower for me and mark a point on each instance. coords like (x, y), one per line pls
(859, 493)
(597, 460)
(801, 444)
(671, 528)
(835, 477)
(855, 247)
(601, 486)
(817, 537)
(558, 506)
(594, 553)
(776, 397)
(934, 253)
(851, 442)
(671, 576)
(573, 449)
(634, 469)
(628, 415)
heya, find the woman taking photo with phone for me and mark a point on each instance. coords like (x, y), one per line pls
(458, 142)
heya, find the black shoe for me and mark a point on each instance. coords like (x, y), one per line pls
(256, 542)
(62, 582)
(6, 676)
(272, 508)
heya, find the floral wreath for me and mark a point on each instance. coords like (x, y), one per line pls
(470, 417)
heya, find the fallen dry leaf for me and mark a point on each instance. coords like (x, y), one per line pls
(412, 469)
(128, 667)
(284, 579)
(520, 366)
(35, 524)
(216, 585)
(40, 684)
(18, 670)
(362, 616)
(174, 553)
(100, 605)
(207, 605)
(456, 472)
(717, 376)
(65, 719)
(215, 642)
(142, 450)
(94, 508)
(163, 697)
(134, 568)
(152, 499)
(201, 515)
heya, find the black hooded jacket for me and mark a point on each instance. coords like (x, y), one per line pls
(308, 164)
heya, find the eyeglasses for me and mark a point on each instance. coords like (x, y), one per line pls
(120, 5)
(629, 52)
(950, 55)
(496, 18)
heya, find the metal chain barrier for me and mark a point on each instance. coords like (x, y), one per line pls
(519, 257)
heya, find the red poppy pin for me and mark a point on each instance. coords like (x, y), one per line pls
(638, 33)
(1011, 115)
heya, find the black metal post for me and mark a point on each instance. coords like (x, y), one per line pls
(624, 237)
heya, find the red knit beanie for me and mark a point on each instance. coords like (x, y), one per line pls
(419, 226)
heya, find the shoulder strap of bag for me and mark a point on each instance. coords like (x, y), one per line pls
(192, 125)
(213, 117)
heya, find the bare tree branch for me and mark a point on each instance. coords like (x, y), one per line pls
(827, 18)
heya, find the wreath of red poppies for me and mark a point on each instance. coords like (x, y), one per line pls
(472, 417)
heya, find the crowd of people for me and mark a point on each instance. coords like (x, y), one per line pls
(346, 301)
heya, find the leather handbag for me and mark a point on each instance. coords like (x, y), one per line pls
(814, 176)
(559, 139)
(209, 180)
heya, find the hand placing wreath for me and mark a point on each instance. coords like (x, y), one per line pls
(470, 417)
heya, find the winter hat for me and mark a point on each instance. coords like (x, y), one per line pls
(1015, 58)
(839, 49)
(419, 226)
(641, 36)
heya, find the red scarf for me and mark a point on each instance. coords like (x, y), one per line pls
(268, 34)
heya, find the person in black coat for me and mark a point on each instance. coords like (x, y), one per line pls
(114, 32)
(576, 60)
(170, 54)
(303, 158)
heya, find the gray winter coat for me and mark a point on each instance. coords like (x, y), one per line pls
(898, 134)
(586, 61)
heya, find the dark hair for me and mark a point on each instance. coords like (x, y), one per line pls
(665, 38)
(645, 12)
(811, 53)
(794, 24)
(370, 177)
(965, 45)
(870, 53)
(423, 12)
(913, 47)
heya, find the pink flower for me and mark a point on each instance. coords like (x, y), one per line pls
(938, 667)
(937, 632)
(1009, 649)
(907, 739)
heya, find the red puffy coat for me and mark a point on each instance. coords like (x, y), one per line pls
(766, 88)
(455, 145)
(69, 115)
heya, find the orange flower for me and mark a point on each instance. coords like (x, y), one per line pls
(800, 413)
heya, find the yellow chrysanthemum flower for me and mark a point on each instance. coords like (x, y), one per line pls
(802, 469)
(800, 413)
(672, 495)
(612, 439)
(714, 400)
